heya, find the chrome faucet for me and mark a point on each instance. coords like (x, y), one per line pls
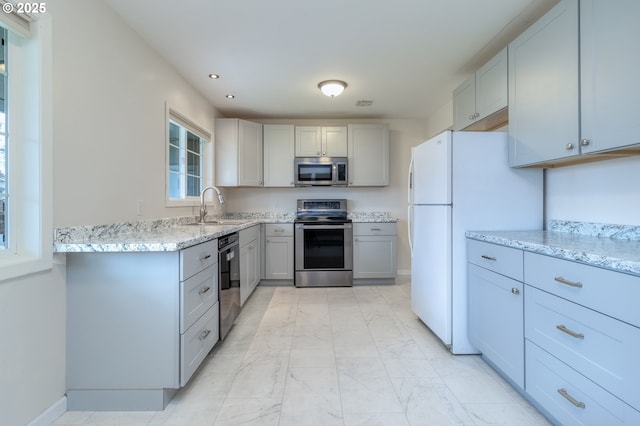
(203, 206)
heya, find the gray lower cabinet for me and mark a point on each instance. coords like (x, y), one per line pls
(249, 261)
(138, 325)
(374, 252)
(278, 252)
(496, 306)
(574, 328)
(582, 341)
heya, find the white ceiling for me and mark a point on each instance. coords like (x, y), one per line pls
(404, 55)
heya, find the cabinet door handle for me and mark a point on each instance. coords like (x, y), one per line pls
(515, 291)
(584, 142)
(471, 117)
(203, 290)
(278, 230)
(568, 146)
(569, 283)
(565, 394)
(204, 257)
(204, 334)
(570, 332)
(493, 259)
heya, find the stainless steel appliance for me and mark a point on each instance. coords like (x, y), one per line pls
(323, 242)
(320, 171)
(228, 281)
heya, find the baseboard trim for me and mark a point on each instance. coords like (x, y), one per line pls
(51, 414)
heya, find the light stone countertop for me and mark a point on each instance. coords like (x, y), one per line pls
(169, 234)
(597, 248)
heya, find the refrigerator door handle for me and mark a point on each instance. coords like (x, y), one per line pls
(409, 223)
(410, 180)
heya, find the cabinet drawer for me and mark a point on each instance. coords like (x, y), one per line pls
(503, 260)
(278, 230)
(197, 294)
(603, 349)
(374, 228)
(249, 234)
(546, 377)
(612, 293)
(196, 343)
(196, 258)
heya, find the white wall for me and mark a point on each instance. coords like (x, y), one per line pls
(109, 143)
(392, 199)
(601, 192)
(32, 354)
(109, 101)
(440, 119)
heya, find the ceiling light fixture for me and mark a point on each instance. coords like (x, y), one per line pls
(230, 96)
(332, 88)
(214, 76)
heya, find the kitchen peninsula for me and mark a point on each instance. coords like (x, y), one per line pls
(143, 304)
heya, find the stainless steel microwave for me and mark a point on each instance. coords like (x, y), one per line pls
(320, 171)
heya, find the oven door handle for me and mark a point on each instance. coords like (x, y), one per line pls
(342, 226)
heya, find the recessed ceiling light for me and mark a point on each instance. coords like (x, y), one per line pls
(214, 76)
(230, 96)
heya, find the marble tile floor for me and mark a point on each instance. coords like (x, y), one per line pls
(333, 356)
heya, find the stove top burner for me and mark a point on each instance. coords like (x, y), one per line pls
(322, 210)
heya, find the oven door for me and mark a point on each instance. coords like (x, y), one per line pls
(323, 247)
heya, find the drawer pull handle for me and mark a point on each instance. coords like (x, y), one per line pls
(204, 334)
(569, 283)
(515, 290)
(376, 229)
(565, 394)
(203, 290)
(489, 258)
(570, 332)
(204, 257)
(278, 230)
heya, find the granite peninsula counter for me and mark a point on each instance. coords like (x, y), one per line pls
(172, 234)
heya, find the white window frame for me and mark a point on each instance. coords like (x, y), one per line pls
(172, 114)
(30, 153)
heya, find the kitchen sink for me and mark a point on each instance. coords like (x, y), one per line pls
(220, 222)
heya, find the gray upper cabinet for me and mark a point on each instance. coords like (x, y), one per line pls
(572, 83)
(279, 151)
(318, 141)
(482, 94)
(544, 88)
(239, 158)
(368, 154)
(609, 35)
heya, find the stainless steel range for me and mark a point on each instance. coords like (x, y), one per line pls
(323, 241)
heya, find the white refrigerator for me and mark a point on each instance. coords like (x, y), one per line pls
(461, 181)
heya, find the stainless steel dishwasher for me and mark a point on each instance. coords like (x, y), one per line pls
(228, 281)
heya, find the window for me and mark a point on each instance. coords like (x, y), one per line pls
(26, 217)
(186, 165)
